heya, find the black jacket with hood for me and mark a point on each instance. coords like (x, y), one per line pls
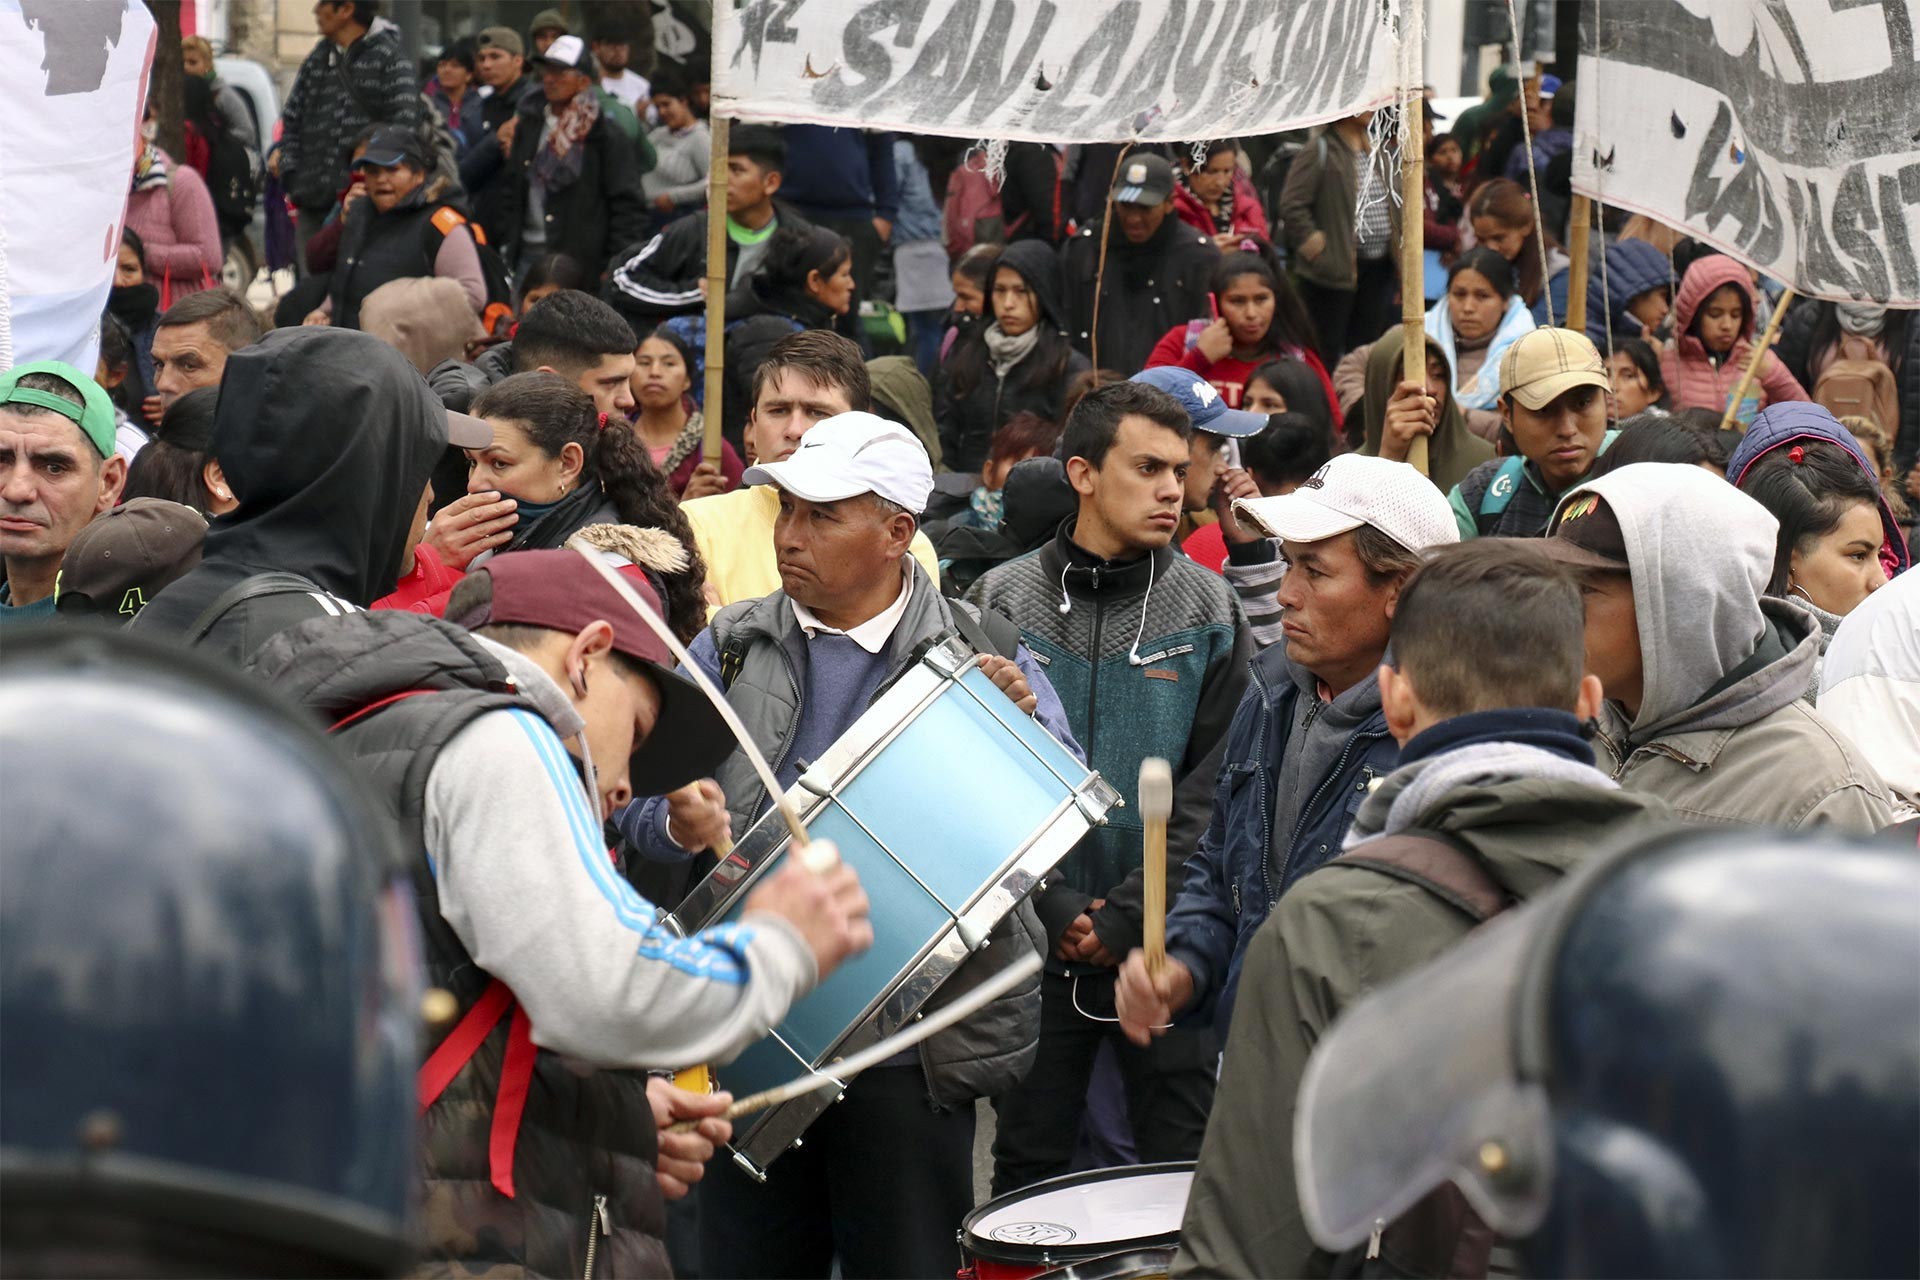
(1148, 289)
(973, 399)
(587, 218)
(327, 437)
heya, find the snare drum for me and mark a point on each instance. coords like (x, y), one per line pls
(1075, 1221)
(951, 804)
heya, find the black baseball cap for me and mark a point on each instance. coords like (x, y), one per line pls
(122, 559)
(392, 145)
(1143, 178)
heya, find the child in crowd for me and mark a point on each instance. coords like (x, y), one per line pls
(1713, 323)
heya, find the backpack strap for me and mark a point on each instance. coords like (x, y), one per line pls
(1506, 482)
(275, 583)
(987, 630)
(1441, 864)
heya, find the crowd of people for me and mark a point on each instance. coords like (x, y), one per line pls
(1132, 420)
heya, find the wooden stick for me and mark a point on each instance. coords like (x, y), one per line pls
(1760, 350)
(1156, 805)
(1577, 266)
(837, 1073)
(1100, 271)
(716, 285)
(1413, 235)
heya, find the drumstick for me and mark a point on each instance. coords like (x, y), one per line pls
(835, 1073)
(718, 699)
(1156, 803)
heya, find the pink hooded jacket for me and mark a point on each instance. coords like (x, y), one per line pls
(1693, 380)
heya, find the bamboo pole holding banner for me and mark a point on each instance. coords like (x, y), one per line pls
(1760, 350)
(716, 285)
(1413, 206)
(1577, 265)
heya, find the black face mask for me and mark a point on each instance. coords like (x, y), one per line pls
(134, 305)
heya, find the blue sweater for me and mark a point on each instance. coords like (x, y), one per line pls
(840, 173)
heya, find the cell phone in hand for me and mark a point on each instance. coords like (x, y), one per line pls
(1233, 453)
(1213, 305)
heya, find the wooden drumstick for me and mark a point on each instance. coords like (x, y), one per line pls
(835, 1073)
(1156, 804)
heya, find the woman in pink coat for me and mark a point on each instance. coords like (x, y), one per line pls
(171, 211)
(1713, 340)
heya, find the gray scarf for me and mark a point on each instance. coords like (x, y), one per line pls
(1861, 319)
(1410, 792)
(1007, 352)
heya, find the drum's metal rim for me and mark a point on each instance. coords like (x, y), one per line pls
(992, 1250)
(1150, 1261)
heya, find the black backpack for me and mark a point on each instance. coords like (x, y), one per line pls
(233, 176)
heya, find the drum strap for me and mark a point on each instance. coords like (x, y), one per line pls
(988, 631)
(516, 1073)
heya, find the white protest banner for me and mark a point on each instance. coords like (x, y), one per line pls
(73, 77)
(1786, 132)
(1054, 70)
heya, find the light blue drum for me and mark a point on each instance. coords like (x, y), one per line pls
(952, 805)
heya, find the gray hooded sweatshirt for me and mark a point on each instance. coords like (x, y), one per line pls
(1722, 733)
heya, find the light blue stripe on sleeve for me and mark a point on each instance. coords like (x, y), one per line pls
(719, 955)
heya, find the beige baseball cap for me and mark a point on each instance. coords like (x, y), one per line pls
(1546, 363)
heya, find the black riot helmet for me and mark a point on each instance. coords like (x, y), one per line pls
(1698, 1057)
(208, 978)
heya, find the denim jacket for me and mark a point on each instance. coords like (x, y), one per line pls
(1233, 879)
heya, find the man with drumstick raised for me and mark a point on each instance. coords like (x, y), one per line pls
(886, 1174)
(1151, 650)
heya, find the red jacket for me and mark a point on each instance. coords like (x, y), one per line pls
(1693, 380)
(1249, 219)
(426, 589)
(1228, 375)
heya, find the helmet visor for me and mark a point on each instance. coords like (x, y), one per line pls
(1415, 1087)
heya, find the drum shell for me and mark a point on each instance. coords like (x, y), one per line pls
(1011, 802)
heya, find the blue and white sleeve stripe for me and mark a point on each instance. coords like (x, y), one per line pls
(719, 954)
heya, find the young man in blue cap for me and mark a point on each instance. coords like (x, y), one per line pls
(1148, 652)
(1253, 567)
(58, 470)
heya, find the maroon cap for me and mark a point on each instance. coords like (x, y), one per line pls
(560, 591)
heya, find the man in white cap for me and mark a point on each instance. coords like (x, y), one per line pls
(1309, 737)
(885, 1175)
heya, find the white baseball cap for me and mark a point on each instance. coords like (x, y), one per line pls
(1353, 490)
(850, 454)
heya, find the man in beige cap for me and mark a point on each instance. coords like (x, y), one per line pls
(1553, 411)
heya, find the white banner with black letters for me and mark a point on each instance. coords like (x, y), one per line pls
(1786, 132)
(1054, 70)
(73, 77)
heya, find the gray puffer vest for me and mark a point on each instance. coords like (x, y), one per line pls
(981, 1055)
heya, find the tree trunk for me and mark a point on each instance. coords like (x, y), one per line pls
(165, 96)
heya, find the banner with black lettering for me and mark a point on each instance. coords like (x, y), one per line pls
(73, 77)
(1787, 134)
(1054, 70)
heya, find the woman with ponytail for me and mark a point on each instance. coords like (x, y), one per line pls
(569, 468)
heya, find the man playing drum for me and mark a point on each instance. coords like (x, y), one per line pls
(885, 1175)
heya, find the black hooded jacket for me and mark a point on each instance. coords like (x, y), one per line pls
(327, 437)
(1148, 289)
(971, 400)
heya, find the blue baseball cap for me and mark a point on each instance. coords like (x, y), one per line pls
(1201, 399)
